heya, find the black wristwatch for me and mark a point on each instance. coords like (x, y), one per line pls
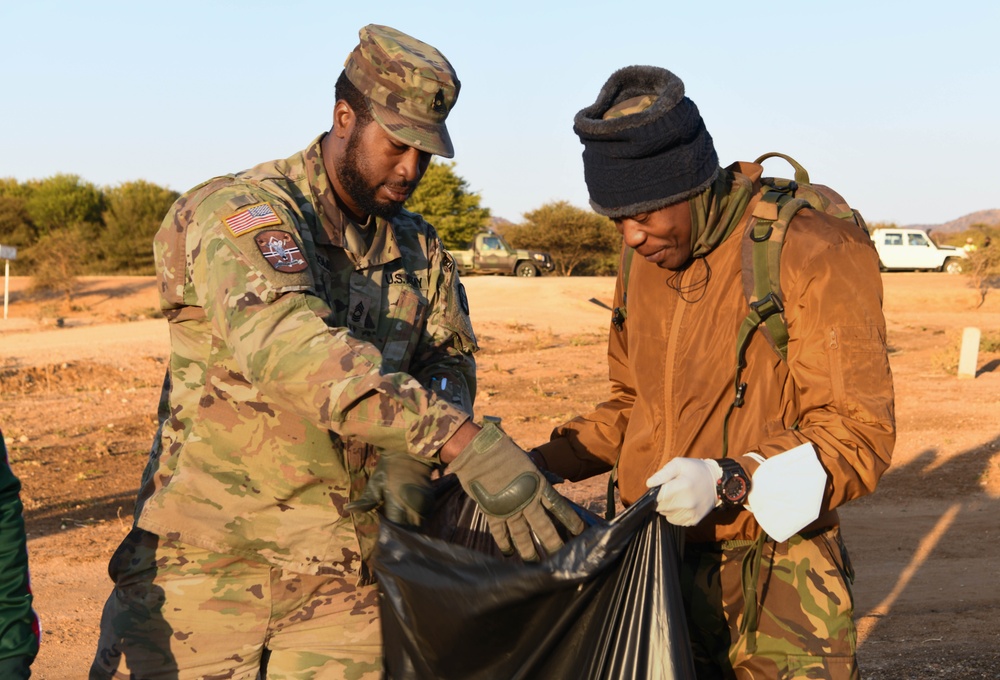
(734, 485)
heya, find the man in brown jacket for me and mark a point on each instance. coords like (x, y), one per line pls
(757, 485)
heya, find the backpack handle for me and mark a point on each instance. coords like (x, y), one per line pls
(801, 176)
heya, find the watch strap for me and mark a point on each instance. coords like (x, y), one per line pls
(730, 469)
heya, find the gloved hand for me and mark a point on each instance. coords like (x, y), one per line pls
(687, 490)
(513, 494)
(401, 484)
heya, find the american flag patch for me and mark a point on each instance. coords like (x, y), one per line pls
(254, 217)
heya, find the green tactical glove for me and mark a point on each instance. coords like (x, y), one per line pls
(401, 484)
(513, 494)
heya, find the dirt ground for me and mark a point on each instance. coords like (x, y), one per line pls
(78, 389)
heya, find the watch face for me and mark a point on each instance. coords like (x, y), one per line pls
(734, 489)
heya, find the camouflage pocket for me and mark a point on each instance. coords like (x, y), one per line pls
(829, 667)
(836, 551)
(135, 554)
(457, 320)
(407, 309)
(266, 234)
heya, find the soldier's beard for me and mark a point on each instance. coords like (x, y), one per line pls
(351, 173)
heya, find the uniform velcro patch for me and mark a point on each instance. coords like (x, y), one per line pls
(253, 217)
(280, 250)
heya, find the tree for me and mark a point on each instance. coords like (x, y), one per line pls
(444, 199)
(11, 188)
(16, 228)
(983, 264)
(59, 257)
(580, 241)
(64, 201)
(133, 215)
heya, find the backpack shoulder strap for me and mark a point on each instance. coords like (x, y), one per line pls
(763, 239)
(764, 235)
(618, 316)
(621, 313)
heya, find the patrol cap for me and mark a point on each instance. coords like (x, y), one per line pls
(409, 85)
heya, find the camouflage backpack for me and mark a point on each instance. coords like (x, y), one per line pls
(781, 199)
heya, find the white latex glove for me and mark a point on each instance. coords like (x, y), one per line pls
(687, 490)
(786, 491)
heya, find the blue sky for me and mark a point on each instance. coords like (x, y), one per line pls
(895, 104)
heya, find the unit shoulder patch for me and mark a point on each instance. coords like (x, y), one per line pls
(280, 250)
(251, 218)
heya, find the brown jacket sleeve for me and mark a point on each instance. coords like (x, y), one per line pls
(838, 359)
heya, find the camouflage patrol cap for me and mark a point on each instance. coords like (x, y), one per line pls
(409, 85)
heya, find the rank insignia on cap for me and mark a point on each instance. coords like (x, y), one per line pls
(254, 217)
(281, 251)
(438, 105)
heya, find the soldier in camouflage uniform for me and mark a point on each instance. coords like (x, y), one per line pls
(755, 480)
(321, 365)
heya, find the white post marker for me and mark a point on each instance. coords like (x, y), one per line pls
(7, 253)
(969, 358)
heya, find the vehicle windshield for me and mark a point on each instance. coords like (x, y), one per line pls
(493, 243)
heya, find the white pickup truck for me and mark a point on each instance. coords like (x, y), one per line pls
(901, 249)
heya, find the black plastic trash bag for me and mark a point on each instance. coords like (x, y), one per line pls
(607, 605)
(457, 519)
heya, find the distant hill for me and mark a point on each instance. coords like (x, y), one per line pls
(991, 217)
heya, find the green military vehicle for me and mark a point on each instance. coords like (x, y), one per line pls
(489, 253)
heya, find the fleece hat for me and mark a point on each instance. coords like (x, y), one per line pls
(645, 145)
(409, 85)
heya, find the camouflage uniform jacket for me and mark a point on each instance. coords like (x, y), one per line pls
(292, 362)
(673, 365)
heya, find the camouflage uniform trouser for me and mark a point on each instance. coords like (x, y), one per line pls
(178, 611)
(805, 623)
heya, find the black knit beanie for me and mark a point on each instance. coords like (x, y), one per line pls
(644, 161)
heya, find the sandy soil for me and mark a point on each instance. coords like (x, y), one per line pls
(78, 388)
